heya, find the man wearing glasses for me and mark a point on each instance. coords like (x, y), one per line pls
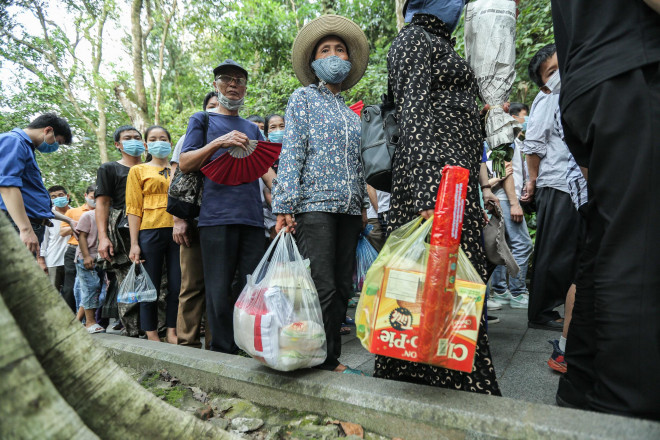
(231, 218)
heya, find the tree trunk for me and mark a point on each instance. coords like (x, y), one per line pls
(161, 57)
(30, 404)
(136, 109)
(101, 133)
(97, 55)
(137, 117)
(399, 14)
(105, 397)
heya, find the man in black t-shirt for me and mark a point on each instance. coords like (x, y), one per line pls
(609, 62)
(114, 241)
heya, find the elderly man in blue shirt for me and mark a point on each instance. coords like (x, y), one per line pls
(23, 196)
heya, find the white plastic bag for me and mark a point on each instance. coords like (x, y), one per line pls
(137, 287)
(277, 318)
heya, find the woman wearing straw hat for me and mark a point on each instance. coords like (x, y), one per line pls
(320, 179)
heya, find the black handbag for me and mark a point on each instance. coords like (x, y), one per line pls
(380, 137)
(184, 196)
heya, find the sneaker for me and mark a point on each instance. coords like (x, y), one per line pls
(557, 361)
(493, 319)
(502, 298)
(493, 305)
(519, 302)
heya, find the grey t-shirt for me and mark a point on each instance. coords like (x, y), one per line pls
(543, 140)
(177, 151)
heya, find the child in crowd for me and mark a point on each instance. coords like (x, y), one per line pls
(89, 277)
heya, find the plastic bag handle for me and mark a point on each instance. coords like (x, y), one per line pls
(291, 245)
(269, 251)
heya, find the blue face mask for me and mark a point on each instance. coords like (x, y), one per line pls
(61, 202)
(449, 11)
(524, 124)
(48, 148)
(263, 135)
(159, 149)
(276, 136)
(133, 147)
(332, 70)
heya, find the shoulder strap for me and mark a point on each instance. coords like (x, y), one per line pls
(206, 127)
(390, 95)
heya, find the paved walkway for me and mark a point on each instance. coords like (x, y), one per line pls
(520, 356)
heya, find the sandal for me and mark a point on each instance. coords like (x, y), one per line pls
(349, 370)
(350, 321)
(344, 330)
(352, 303)
(96, 328)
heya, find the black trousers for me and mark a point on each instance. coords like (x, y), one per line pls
(156, 246)
(555, 253)
(613, 348)
(69, 277)
(224, 250)
(330, 241)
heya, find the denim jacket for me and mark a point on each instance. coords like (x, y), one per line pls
(320, 167)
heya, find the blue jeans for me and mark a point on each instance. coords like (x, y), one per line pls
(520, 243)
(89, 283)
(77, 292)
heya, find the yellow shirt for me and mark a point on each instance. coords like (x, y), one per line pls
(75, 214)
(146, 196)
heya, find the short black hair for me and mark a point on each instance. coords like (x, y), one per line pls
(207, 98)
(124, 128)
(256, 119)
(153, 127)
(57, 187)
(544, 53)
(268, 118)
(60, 125)
(90, 188)
(516, 107)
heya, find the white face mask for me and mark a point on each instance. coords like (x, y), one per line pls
(230, 104)
(91, 202)
(554, 83)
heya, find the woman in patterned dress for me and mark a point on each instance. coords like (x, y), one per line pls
(320, 179)
(435, 95)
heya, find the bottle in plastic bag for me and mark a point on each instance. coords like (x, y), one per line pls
(137, 287)
(277, 318)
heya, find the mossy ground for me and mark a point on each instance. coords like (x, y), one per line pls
(238, 414)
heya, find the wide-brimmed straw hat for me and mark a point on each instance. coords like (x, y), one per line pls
(324, 26)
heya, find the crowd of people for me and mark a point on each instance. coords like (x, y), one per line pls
(579, 161)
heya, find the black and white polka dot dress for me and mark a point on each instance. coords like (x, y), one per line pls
(435, 93)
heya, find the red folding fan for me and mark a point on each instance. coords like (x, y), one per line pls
(357, 107)
(238, 166)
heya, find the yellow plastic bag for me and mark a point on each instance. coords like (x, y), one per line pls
(390, 306)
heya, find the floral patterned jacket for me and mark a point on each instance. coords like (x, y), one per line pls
(320, 167)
